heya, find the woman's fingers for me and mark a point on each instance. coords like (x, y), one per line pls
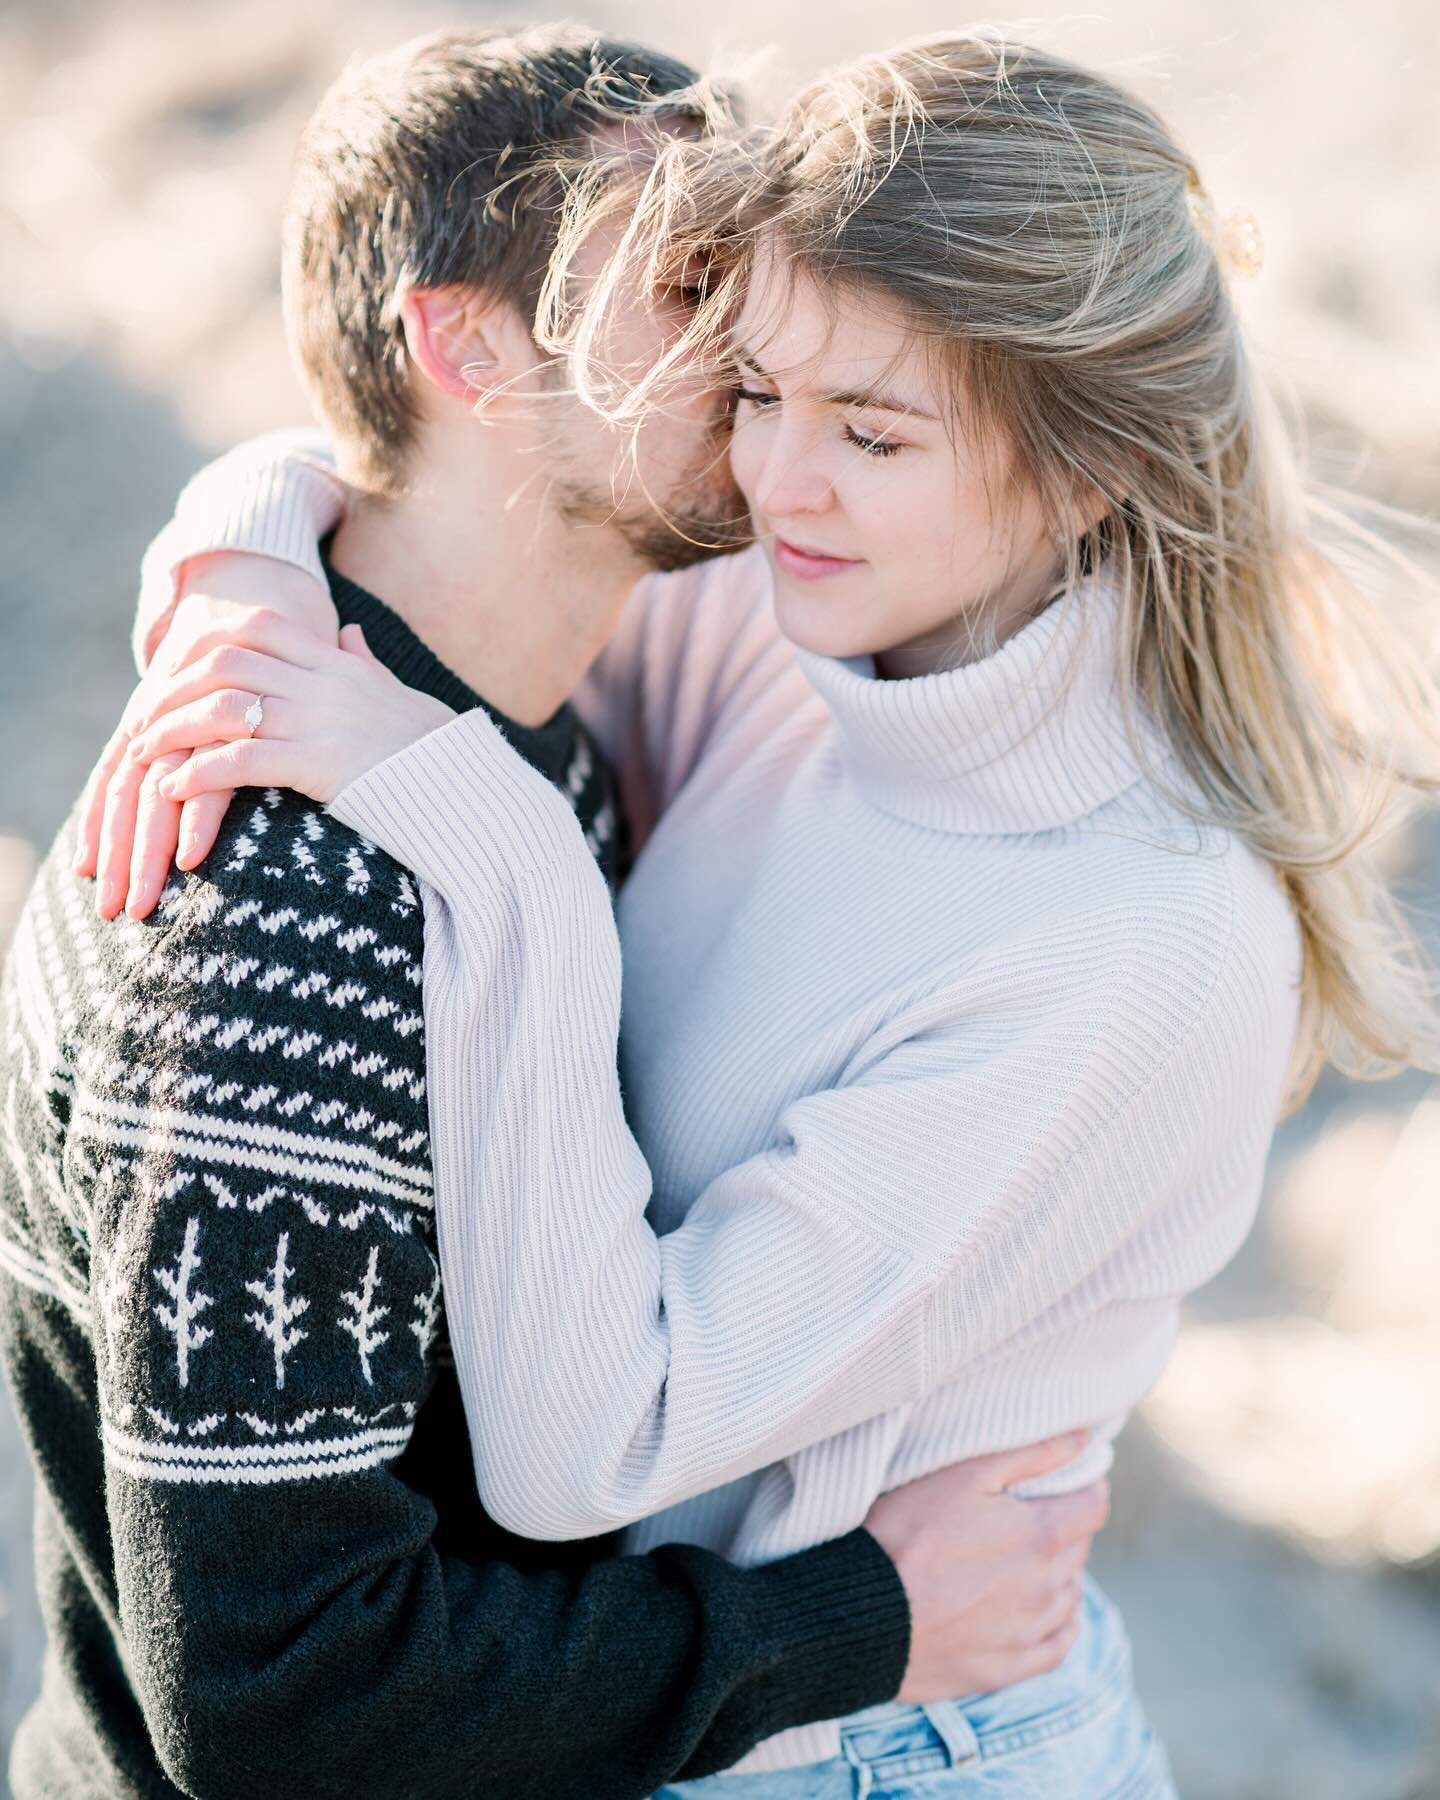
(220, 624)
(224, 670)
(200, 822)
(157, 831)
(218, 718)
(92, 804)
(248, 762)
(353, 639)
(117, 835)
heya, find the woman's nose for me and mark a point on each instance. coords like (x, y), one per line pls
(792, 480)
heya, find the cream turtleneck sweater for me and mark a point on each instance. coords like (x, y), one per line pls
(952, 1051)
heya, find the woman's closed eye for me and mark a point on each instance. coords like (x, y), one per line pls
(872, 446)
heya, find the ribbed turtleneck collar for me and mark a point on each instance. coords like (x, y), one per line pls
(1027, 739)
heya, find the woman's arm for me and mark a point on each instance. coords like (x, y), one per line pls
(274, 497)
(902, 1227)
(246, 532)
(993, 1154)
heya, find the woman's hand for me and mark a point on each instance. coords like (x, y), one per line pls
(325, 715)
(128, 833)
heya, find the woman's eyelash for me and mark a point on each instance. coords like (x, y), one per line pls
(871, 446)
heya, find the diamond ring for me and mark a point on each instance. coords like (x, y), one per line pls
(254, 715)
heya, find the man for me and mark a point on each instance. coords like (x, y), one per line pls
(264, 1565)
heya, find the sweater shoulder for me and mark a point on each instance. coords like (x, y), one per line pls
(291, 866)
(279, 985)
(1186, 886)
(1135, 940)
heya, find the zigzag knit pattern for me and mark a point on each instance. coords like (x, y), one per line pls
(262, 1558)
(230, 1186)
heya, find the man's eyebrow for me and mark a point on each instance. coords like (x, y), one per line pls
(876, 398)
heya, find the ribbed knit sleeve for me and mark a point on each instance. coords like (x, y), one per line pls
(276, 495)
(693, 647)
(689, 646)
(982, 1160)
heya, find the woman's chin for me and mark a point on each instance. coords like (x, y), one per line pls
(823, 629)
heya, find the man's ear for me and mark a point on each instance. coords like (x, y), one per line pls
(467, 343)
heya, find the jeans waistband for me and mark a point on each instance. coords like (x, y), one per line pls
(885, 1743)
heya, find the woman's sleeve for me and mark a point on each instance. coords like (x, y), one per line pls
(963, 1181)
(278, 495)
(690, 647)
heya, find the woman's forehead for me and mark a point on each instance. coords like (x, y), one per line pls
(830, 335)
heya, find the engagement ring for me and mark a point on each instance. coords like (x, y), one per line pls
(254, 713)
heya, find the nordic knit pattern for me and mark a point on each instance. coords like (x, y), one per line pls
(952, 1045)
(263, 1563)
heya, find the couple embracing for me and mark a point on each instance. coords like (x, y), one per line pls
(862, 544)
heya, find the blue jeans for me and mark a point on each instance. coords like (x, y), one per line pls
(1075, 1734)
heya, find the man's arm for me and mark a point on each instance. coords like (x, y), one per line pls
(266, 1296)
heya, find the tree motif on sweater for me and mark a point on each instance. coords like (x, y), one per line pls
(189, 1302)
(366, 1315)
(276, 1316)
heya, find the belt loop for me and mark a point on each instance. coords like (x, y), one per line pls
(954, 1731)
(864, 1774)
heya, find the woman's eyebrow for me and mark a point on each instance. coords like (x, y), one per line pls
(876, 398)
(880, 401)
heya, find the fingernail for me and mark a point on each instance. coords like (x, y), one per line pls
(186, 852)
(135, 906)
(107, 899)
(167, 787)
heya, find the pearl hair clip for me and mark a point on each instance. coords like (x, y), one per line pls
(1235, 239)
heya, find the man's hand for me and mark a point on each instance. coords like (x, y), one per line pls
(129, 832)
(993, 1580)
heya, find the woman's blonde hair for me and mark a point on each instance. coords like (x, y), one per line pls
(1040, 227)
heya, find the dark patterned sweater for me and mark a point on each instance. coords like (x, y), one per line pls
(262, 1561)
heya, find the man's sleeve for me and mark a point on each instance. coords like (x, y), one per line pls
(268, 1312)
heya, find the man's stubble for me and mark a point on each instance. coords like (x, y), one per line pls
(701, 515)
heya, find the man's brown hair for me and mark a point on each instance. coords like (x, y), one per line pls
(434, 165)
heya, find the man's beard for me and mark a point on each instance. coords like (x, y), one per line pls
(704, 517)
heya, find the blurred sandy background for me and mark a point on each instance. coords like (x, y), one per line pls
(1276, 1541)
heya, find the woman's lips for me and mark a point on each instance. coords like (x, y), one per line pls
(810, 565)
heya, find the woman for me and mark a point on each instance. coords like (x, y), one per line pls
(995, 905)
